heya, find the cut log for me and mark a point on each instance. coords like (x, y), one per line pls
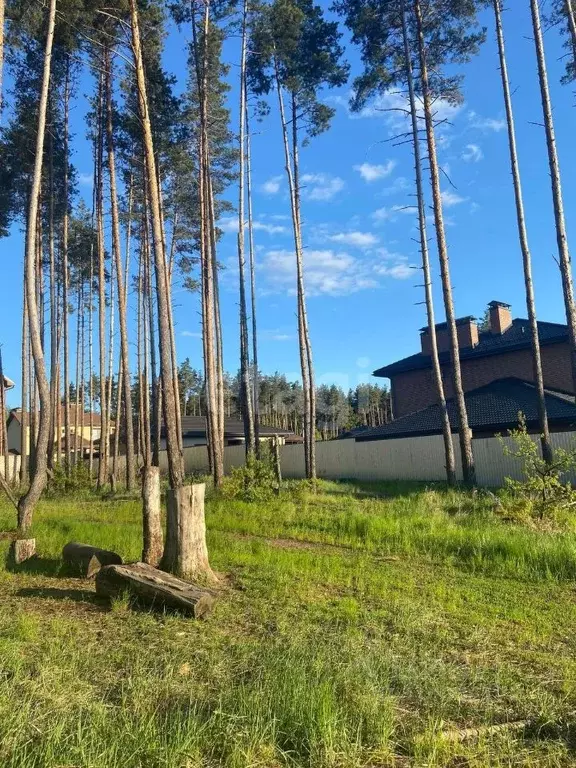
(87, 560)
(22, 550)
(154, 588)
(186, 553)
(151, 517)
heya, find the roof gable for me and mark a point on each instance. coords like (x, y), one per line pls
(515, 338)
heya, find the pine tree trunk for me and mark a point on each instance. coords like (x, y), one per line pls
(218, 346)
(66, 278)
(297, 247)
(435, 360)
(103, 448)
(302, 299)
(2, 12)
(53, 444)
(175, 462)
(468, 468)
(78, 373)
(38, 482)
(24, 420)
(3, 424)
(252, 261)
(122, 312)
(523, 237)
(561, 235)
(571, 17)
(245, 394)
(175, 382)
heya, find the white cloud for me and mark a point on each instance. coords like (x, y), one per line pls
(486, 123)
(400, 184)
(230, 224)
(391, 213)
(271, 229)
(394, 107)
(472, 154)
(329, 272)
(272, 186)
(86, 179)
(398, 271)
(357, 239)
(371, 172)
(191, 334)
(276, 335)
(321, 186)
(451, 198)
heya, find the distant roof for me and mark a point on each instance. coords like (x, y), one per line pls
(8, 383)
(195, 426)
(516, 337)
(491, 408)
(83, 416)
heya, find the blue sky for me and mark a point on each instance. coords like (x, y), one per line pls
(364, 299)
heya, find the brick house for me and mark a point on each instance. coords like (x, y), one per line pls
(500, 352)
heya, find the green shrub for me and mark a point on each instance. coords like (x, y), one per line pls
(543, 490)
(255, 481)
(76, 480)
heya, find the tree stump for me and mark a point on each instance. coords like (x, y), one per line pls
(22, 550)
(87, 560)
(151, 516)
(154, 588)
(186, 553)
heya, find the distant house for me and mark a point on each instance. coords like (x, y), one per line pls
(492, 409)
(86, 435)
(194, 433)
(499, 352)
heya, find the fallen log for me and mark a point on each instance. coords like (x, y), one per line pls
(466, 734)
(155, 588)
(86, 560)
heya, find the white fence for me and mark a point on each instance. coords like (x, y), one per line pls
(13, 467)
(412, 458)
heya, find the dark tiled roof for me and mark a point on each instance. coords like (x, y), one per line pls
(516, 337)
(195, 426)
(492, 408)
(8, 383)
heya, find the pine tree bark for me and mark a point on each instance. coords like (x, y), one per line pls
(53, 443)
(24, 420)
(245, 394)
(561, 234)
(468, 468)
(302, 297)
(252, 262)
(425, 254)
(66, 278)
(38, 481)
(571, 17)
(103, 391)
(298, 250)
(175, 461)
(122, 312)
(523, 237)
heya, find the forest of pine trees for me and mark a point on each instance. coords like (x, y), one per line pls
(168, 160)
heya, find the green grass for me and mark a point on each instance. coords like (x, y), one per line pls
(355, 627)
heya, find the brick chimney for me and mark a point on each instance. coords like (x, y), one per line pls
(500, 317)
(467, 335)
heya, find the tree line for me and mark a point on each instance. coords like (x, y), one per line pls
(168, 158)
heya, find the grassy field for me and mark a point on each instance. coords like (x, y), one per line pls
(359, 626)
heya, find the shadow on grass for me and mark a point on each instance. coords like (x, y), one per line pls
(380, 490)
(39, 566)
(57, 593)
